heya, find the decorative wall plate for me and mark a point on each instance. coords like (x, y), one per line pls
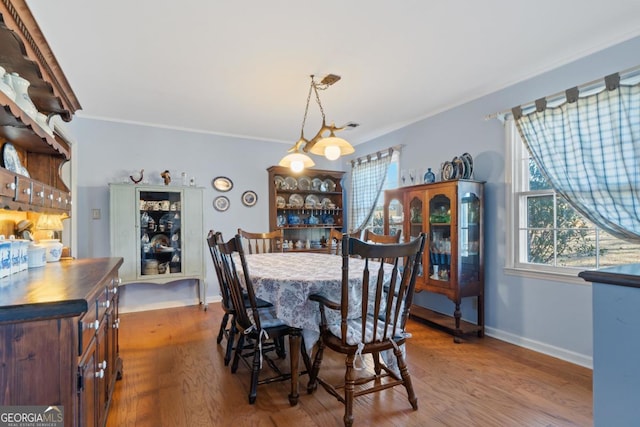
(11, 161)
(221, 203)
(222, 183)
(249, 198)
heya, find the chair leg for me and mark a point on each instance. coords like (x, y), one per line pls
(255, 373)
(236, 355)
(406, 378)
(223, 327)
(315, 369)
(230, 341)
(280, 349)
(349, 385)
(376, 362)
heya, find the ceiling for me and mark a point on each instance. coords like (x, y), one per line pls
(242, 68)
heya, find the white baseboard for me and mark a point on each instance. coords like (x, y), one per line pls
(160, 305)
(557, 352)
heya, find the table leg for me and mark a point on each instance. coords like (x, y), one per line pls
(294, 356)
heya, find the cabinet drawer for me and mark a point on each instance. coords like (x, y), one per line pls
(38, 194)
(7, 183)
(23, 190)
(88, 325)
(103, 302)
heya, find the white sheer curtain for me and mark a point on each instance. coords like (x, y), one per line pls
(367, 180)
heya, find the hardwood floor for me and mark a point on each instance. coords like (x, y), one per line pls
(174, 376)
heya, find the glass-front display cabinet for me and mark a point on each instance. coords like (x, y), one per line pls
(159, 225)
(451, 214)
(158, 230)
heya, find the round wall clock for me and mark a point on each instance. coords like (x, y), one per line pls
(222, 183)
(221, 203)
(249, 198)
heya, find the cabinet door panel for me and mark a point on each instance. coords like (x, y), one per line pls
(123, 211)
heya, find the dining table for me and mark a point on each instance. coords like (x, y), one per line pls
(287, 279)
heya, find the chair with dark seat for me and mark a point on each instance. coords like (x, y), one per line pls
(380, 329)
(336, 236)
(259, 331)
(227, 325)
(258, 243)
(370, 236)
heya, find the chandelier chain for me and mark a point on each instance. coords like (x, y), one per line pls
(315, 89)
(306, 110)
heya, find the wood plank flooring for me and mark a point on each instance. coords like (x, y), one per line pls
(174, 376)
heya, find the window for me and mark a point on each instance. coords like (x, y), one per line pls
(376, 223)
(547, 234)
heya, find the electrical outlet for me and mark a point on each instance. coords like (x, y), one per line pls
(95, 213)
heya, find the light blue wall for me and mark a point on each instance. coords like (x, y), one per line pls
(551, 317)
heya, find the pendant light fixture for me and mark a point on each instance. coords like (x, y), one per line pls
(330, 146)
(297, 160)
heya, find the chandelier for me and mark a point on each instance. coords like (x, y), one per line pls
(331, 146)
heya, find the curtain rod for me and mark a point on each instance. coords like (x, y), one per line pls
(626, 74)
(378, 154)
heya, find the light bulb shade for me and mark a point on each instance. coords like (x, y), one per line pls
(296, 161)
(49, 222)
(332, 142)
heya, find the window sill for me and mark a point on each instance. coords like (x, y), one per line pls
(552, 276)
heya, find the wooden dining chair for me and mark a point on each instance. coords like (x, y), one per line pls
(383, 239)
(258, 243)
(259, 331)
(376, 328)
(227, 325)
(370, 236)
(334, 243)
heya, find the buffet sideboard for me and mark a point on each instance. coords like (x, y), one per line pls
(59, 332)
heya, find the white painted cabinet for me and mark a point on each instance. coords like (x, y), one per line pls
(158, 230)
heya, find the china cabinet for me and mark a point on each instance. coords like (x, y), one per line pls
(451, 214)
(306, 206)
(158, 230)
(59, 328)
(40, 149)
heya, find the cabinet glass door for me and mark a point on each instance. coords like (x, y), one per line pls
(160, 234)
(469, 238)
(396, 218)
(415, 217)
(440, 238)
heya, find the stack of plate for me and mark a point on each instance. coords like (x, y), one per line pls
(458, 168)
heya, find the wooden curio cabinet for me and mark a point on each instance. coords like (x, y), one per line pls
(451, 214)
(306, 206)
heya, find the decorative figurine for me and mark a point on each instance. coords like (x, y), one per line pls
(166, 176)
(137, 180)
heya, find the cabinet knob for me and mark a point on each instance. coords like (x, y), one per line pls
(100, 373)
(11, 185)
(59, 199)
(106, 303)
(114, 290)
(27, 191)
(50, 196)
(102, 365)
(93, 325)
(116, 324)
(40, 194)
